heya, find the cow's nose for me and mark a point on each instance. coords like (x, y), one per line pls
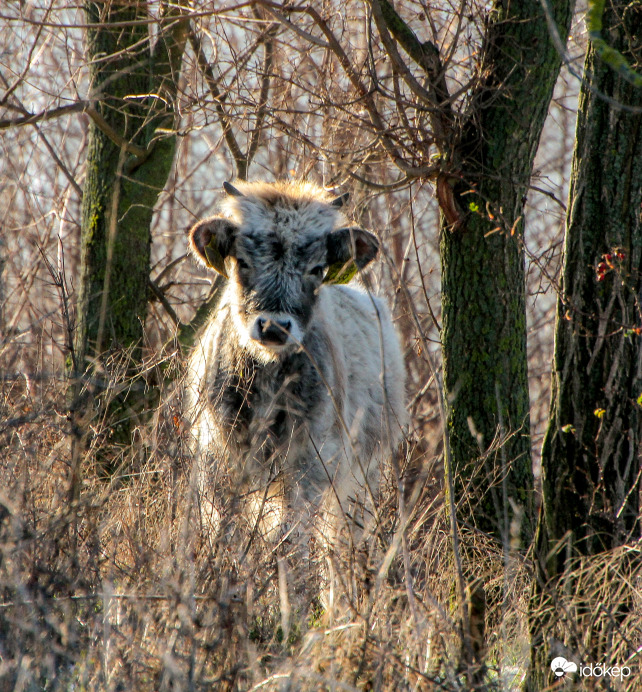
(273, 332)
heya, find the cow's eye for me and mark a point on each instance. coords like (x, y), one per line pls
(318, 271)
(242, 264)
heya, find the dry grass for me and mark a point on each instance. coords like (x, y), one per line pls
(107, 581)
(120, 589)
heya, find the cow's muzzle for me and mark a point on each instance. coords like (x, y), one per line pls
(272, 332)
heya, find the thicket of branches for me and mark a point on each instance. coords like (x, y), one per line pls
(106, 581)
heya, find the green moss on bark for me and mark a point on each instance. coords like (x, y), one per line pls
(483, 277)
(592, 448)
(115, 252)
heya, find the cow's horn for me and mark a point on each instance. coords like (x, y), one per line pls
(231, 190)
(340, 200)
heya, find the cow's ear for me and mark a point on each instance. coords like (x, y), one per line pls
(349, 249)
(212, 240)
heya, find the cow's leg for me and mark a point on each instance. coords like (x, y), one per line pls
(336, 537)
(345, 525)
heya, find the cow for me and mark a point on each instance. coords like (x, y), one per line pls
(295, 389)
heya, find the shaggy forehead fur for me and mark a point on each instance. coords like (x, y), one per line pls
(289, 209)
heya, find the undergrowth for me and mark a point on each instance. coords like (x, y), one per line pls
(114, 585)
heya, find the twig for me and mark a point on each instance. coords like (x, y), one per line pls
(366, 95)
(164, 302)
(117, 139)
(560, 47)
(426, 56)
(270, 8)
(60, 163)
(187, 332)
(60, 282)
(169, 267)
(263, 98)
(31, 118)
(212, 83)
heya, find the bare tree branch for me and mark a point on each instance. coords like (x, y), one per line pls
(60, 163)
(160, 296)
(28, 64)
(367, 98)
(426, 56)
(263, 97)
(187, 332)
(212, 83)
(106, 129)
(43, 116)
(271, 8)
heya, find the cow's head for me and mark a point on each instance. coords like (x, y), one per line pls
(277, 244)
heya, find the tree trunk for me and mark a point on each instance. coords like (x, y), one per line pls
(131, 151)
(483, 278)
(591, 452)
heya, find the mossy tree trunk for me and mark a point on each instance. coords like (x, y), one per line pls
(593, 444)
(483, 274)
(131, 150)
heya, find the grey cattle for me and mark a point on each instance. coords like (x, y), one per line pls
(295, 390)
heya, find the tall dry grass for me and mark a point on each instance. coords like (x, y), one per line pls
(109, 582)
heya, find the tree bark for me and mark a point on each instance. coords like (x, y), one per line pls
(130, 155)
(483, 276)
(591, 453)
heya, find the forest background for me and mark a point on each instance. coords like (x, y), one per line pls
(496, 150)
